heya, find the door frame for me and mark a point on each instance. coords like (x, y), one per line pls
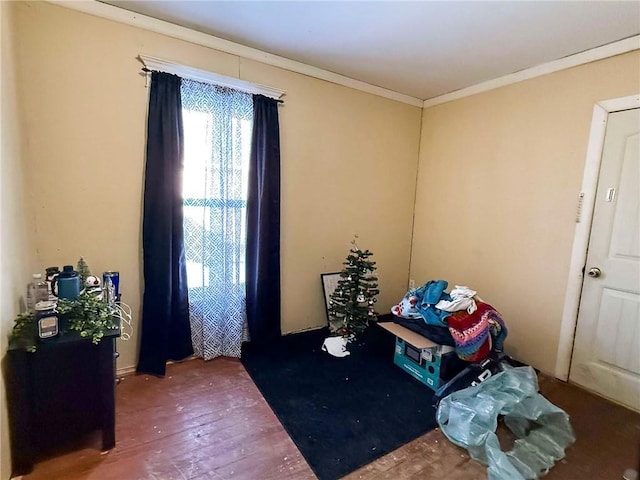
(584, 217)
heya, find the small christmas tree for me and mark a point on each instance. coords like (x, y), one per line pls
(83, 270)
(351, 303)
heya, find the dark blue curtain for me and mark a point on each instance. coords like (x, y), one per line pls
(166, 334)
(263, 224)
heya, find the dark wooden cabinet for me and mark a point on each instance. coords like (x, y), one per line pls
(57, 394)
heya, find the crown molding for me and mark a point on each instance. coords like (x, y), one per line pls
(160, 65)
(588, 56)
(110, 12)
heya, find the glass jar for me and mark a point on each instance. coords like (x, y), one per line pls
(46, 319)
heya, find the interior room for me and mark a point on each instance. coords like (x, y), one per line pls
(487, 180)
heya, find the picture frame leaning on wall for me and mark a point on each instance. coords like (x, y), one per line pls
(329, 284)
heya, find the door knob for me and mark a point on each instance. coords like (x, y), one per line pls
(595, 272)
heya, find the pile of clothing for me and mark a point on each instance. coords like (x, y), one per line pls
(458, 318)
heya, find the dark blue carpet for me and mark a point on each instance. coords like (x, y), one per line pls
(342, 413)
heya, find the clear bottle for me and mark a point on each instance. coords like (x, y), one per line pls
(41, 290)
(37, 291)
(31, 293)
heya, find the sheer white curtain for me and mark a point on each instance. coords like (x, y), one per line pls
(217, 139)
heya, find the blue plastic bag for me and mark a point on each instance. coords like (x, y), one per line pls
(469, 418)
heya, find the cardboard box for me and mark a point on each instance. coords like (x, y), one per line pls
(429, 362)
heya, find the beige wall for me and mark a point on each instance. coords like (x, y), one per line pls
(498, 174)
(349, 159)
(14, 240)
(498, 183)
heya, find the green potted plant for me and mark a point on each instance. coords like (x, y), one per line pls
(88, 315)
(24, 335)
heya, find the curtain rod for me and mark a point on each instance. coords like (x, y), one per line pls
(148, 71)
(153, 64)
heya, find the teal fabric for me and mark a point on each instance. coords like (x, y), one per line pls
(428, 295)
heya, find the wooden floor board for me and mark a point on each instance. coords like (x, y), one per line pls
(208, 421)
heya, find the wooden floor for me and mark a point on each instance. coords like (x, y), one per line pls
(208, 421)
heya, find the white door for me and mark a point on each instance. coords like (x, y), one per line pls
(606, 353)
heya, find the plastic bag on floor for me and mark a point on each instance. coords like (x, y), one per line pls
(469, 418)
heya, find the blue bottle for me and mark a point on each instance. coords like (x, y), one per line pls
(68, 283)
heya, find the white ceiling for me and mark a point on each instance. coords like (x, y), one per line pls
(422, 49)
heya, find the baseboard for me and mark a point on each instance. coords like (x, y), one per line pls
(309, 329)
(124, 371)
(387, 317)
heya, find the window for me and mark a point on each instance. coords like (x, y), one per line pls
(217, 124)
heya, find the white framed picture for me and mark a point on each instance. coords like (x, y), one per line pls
(329, 284)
